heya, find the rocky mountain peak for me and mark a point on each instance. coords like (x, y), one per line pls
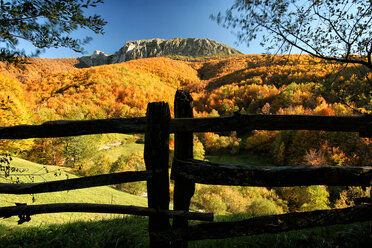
(174, 48)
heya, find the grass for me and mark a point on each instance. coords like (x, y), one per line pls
(131, 231)
(124, 149)
(241, 158)
(104, 195)
(104, 230)
(121, 232)
(353, 235)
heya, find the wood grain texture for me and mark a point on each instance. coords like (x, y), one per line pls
(65, 128)
(270, 224)
(183, 149)
(156, 156)
(6, 212)
(271, 176)
(240, 122)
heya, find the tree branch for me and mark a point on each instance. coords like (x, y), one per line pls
(23, 18)
(331, 24)
(321, 56)
(8, 35)
(361, 17)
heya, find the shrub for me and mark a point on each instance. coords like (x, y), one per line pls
(235, 199)
(315, 157)
(216, 143)
(133, 162)
(305, 198)
(348, 196)
(199, 151)
(260, 141)
(213, 203)
(98, 166)
(263, 206)
(218, 199)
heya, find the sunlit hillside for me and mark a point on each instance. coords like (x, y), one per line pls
(250, 84)
(40, 173)
(332, 81)
(118, 90)
(225, 85)
(36, 68)
(253, 84)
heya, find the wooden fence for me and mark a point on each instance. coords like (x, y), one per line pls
(157, 125)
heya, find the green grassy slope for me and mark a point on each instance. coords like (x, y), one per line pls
(242, 158)
(131, 232)
(102, 195)
(90, 230)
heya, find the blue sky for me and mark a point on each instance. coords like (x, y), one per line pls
(146, 19)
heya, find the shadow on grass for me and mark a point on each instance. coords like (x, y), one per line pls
(124, 232)
(131, 231)
(357, 235)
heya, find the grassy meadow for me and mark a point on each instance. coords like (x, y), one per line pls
(105, 230)
(101, 195)
(131, 232)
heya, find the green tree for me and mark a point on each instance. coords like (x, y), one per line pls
(328, 29)
(79, 148)
(46, 24)
(305, 198)
(133, 162)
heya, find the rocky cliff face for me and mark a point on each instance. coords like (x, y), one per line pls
(174, 48)
(97, 58)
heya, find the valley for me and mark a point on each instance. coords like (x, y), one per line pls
(56, 89)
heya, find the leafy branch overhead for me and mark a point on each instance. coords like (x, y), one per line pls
(328, 29)
(46, 24)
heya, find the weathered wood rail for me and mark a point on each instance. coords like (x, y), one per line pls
(186, 172)
(75, 183)
(361, 124)
(270, 224)
(100, 208)
(64, 128)
(270, 176)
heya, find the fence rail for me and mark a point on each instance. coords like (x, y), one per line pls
(269, 224)
(361, 124)
(75, 183)
(270, 176)
(6, 212)
(64, 128)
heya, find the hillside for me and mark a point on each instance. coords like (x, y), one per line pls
(118, 90)
(250, 84)
(124, 89)
(36, 68)
(41, 173)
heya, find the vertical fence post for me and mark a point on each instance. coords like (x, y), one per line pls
(156, 156)
(183, 190)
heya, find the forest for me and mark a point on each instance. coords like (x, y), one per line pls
(55, 89)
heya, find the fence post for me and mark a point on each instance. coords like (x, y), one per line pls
(183, 190)
(156, 156)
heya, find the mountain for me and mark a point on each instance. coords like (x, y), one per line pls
(176, 48)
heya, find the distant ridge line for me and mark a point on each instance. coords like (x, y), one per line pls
(176, 48)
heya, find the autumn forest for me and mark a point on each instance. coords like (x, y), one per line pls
(54, 89)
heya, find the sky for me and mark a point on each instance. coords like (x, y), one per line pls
(130, 20)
